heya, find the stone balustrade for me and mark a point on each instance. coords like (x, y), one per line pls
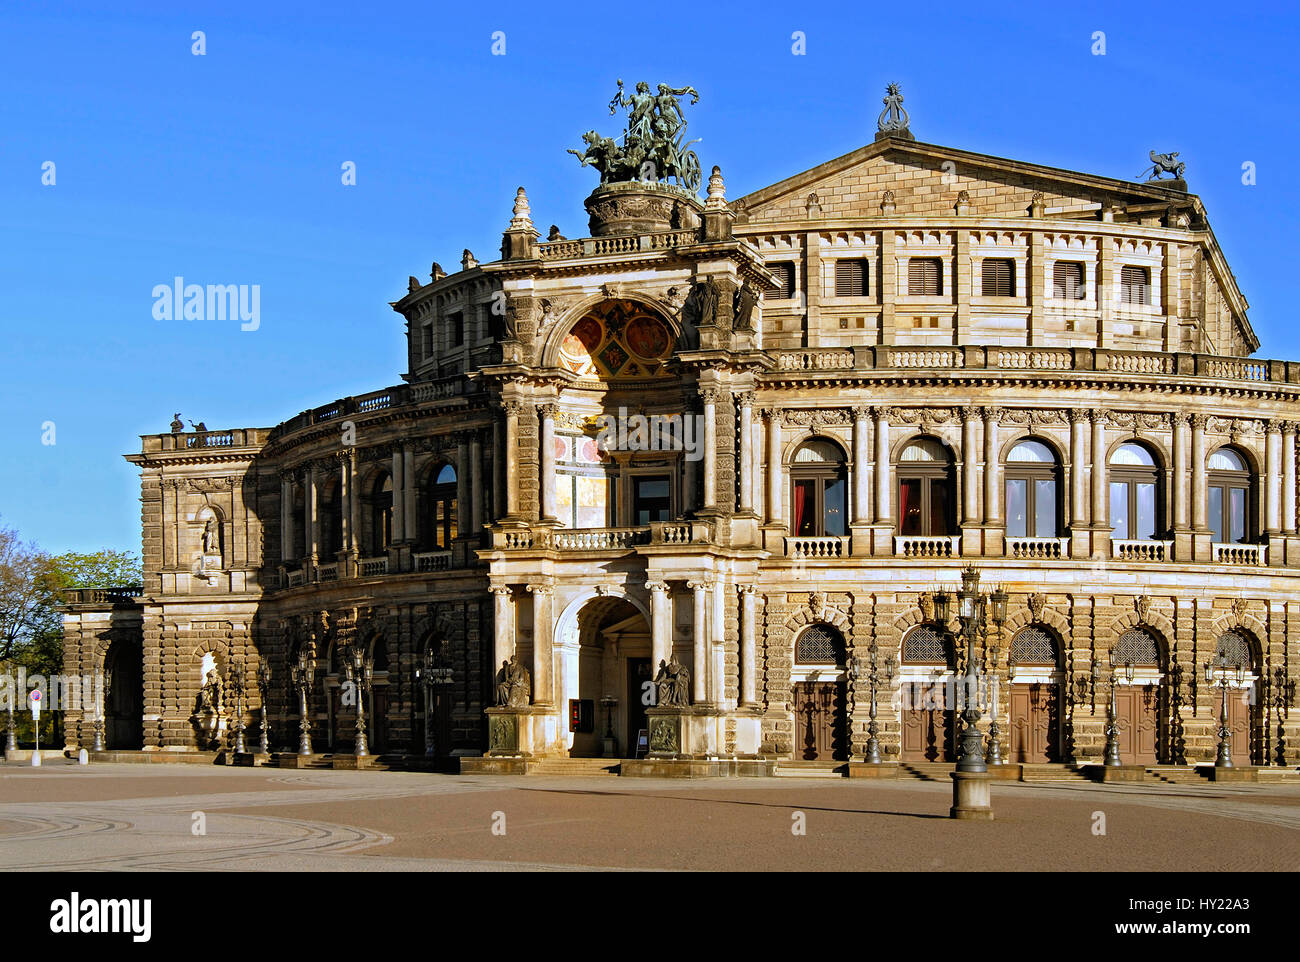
(942, 546)
(1141, 550)
(1239, 554)
(810, 549)
(432, 560)
(373, 566)
(1042, 549)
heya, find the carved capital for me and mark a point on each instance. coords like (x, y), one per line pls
(746, 398)
(541, 589)
(697, 585)
(499, 590)
(1079, 416)
(656, 586)
(512, 409)
(711, 395)
(747, 590)
(548, 410)
(970, 412)
(993, 414)
(1098, 416)
(1198, 421)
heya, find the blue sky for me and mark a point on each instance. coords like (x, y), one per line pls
(226, 169)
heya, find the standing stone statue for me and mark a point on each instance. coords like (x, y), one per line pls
(211, 537)
(210, 702)
(744, 302)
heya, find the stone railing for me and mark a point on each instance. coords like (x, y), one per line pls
(833, 359)
(1141, 550)
(328, 572)
(807, 549)
(432, 560)
(1038, 548)
(996, 357)
(100, 596)
(210, 439)
(367, 567)
(296, 577)
(617, 244)
(942, 546)
(1239, 554)
(680, 532)
(598, 539)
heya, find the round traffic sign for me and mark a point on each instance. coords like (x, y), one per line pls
(36, 696)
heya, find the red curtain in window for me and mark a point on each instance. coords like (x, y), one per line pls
(800, 506)
(903, 505)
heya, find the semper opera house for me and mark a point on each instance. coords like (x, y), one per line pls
(701, 487)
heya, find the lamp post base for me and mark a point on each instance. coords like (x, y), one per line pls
(971, 796)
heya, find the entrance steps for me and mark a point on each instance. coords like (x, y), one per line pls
(574, 766)
(1177, 774)
(786, 768)
(1052, 773)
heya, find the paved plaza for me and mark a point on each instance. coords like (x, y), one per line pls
(143, 817)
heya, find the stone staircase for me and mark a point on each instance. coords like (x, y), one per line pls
(1177, 774)
(1053, 773)
(926, 771)
(786, 768)
(575, 766)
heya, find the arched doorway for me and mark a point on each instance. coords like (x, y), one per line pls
(928, 657)
(605, 664)
(124, 698)
(342, 701)
(1035, 696)
(819, 692)
(1137, 700)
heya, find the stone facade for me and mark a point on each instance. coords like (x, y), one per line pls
(481, 510)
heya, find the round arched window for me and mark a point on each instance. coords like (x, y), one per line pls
(1137, 647)
(1234, 649)
(819, 490)
(925, 487)
(1228, 491)
(819, 645)
(1033, 508)
(1034, 646)
(927, 645)
(1136, 506)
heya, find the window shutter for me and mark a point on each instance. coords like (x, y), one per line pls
(923, 277)
(851, 278)
(1067, 279)
(1135, 288)
(784, 273)
(999, 278)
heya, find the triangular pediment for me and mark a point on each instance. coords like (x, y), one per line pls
(926, 180)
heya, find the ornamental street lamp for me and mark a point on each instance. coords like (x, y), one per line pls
(100, 696)
(360, 668)
(301, 675)
(874, 676)
(974, 610)
(432, 675)
(235, 685)
(11, 742)
(264, 686)
(1112, 711)
(1226, 674)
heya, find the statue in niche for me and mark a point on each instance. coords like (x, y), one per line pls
(744, 302)
(672, 684)
(513, 684)
(211, 537)
(210, 695)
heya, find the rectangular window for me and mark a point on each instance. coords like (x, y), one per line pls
(783, 271)
(1044, 508)
(833, 505)
(428, 340)
(1017, 501)
(851, 278)
(924, 276)
(1067, 281)
(1146, 511)
(650, 500)
(1134, 285)
(938, 508)
(1216, 514)
(456, 327)
(1119, 510)
(909, 506)
(1237, 515)
(999, 278)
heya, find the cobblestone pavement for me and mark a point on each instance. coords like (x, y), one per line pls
(137, 817)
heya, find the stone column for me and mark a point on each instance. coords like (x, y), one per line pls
(992, 468)
(464, 486)
(286, 516)
(509, 457)
(1179, 492)
(1078, 467)
(354, 503)
(543, 645)
(1273, 477)
(1288, 478)
(408, 492)
(475, 487)
(710, 396)
(546, 461)
(311, 514)
(661, 639)
(861, 493)
(717, 657)
(700, 666)
(746, 399)
(884, 511)
(503, 626)
(399, 498)
(500, 455)
(970, 466)
(1198, 473)
(748, 647)
(345, 499)
(775, 501)
(1099, 517)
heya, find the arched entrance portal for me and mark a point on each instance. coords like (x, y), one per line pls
(819, 686)
(1035, 696)
(606, 665)
(124, 699)
(1137, 700)
(929, 733)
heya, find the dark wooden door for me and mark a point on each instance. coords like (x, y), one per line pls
(377, 719)
(1034, 723)
(638, 673)
(928, 735)
(1239, 725)
(820, 721)
(124, 707)
(1138, 722)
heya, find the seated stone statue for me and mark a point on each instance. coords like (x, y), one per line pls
(672, 684)
(513, 684)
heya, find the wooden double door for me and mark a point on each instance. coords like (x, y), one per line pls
(1241, 725)
(929, 734)
(1035, 723)
(1137, 716)
(821, 721)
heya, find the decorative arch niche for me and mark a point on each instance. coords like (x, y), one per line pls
(617, 339)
